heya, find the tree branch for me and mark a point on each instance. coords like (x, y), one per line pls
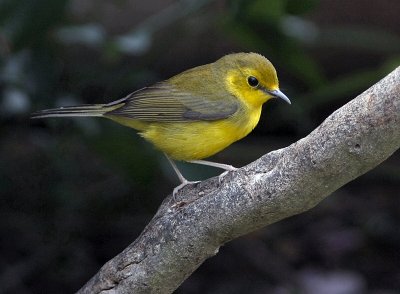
(282, 183)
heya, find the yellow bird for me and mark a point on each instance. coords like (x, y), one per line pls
(196, 113)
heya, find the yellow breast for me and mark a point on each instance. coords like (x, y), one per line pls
(198, 140)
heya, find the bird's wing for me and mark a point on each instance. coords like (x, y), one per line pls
(165, 102)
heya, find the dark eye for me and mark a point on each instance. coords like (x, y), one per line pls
(252, 81)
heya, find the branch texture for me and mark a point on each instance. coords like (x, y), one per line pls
(282, 183)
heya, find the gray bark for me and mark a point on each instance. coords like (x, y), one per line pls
(351, 141)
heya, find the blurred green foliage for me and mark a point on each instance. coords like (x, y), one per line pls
(26, 23)
(269, 26)
(73, 193)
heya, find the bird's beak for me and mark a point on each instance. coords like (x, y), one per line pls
(279, 94)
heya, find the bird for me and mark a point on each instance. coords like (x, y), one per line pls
(195, 114)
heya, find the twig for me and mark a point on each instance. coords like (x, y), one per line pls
(282, 183)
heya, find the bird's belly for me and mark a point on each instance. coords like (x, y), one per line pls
(197, 140)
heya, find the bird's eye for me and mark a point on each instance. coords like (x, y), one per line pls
(252, 81)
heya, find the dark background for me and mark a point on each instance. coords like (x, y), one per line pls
(75, 192)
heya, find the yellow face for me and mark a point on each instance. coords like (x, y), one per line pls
(252, 78)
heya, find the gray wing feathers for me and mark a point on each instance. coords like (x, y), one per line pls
(164, 102)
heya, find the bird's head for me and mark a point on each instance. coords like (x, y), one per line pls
(250, 77)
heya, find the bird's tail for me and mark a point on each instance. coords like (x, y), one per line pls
(82, 110)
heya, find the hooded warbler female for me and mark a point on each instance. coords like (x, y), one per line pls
(196, 113)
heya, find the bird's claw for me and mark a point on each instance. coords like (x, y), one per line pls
(183, 184)
(222, 176)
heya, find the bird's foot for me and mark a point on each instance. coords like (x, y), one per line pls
(178, 188)
(222, 176)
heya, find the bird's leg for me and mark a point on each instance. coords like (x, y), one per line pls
(178, 173)
(183, 180)
(226, 167)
